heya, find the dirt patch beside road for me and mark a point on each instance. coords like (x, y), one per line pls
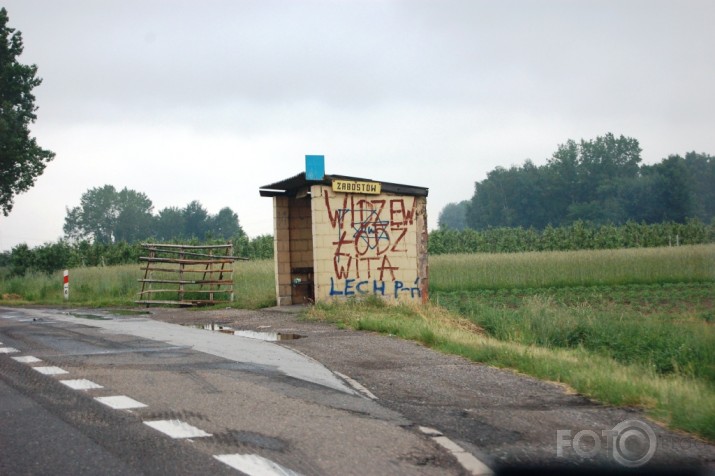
(502, 417)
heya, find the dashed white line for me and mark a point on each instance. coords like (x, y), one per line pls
(27, 359)
(120, 402)
(51, 370)
(254, 465)
(81, 384)
(177, 429)
(466, 459)
(357, 386)
(8, 350)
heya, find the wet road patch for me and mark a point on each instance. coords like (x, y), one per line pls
(259, 335)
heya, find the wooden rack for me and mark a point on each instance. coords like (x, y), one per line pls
(177, 268)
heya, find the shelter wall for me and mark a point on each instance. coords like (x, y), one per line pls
(281, 250)
(369, 245)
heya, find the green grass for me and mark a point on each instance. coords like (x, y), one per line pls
(95, 286)
(572, 268)
(118, 286)
(664, 327)
(254, 284)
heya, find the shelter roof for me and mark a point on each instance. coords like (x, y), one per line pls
(291, 186)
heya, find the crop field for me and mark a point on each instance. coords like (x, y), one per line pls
(629, 327)
(464, 272)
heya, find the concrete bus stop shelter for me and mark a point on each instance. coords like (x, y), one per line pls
(338, 237)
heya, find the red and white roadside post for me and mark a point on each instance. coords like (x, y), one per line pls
(67, 284)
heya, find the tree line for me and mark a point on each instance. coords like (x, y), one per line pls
(65, 254)
(109, 225)
(106, 215)
(600, 181)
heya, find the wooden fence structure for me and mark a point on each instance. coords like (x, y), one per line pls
(176, 269)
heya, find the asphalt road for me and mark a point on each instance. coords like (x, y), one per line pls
(331, 402)
(246, 404)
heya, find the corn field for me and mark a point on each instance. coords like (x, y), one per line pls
(577, 236)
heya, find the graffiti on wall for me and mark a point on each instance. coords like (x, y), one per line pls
(370, 233)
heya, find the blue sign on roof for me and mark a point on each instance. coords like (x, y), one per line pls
(314, 167)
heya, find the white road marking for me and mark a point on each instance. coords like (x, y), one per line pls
(120, 402)
(8, 350)
(81, 384)
(466, 459)
(27, 359)
(254, 465)
(50, 370)
(430, 431)
(176, 428)
(357, 385)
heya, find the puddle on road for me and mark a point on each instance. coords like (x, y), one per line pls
(108, 316)
(269, 336)
(89, 316)
(261, 335)
(128, 312)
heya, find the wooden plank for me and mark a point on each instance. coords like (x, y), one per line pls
(174, 270)
(175, 281)
(191, 247)
(207, 301)
(184, 261)
(191, 302)
(203, 255)
(150, 291)
(176, 303)
(189, 291)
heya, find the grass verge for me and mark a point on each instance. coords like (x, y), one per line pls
(678, 400)
(668, 328)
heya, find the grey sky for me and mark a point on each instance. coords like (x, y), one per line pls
(189, 100)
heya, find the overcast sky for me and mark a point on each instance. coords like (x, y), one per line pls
(209, 100)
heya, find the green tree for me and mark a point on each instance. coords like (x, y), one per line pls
(225, 224)
(95, 217)
(107, 216)
(134, 218)
(490, 204)
(517, 196)
(701, 172)
(454, 215)
(21, 259)
(591, 178)
(170, 224)
(674, 191)
(196, 220)
(21, 159)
